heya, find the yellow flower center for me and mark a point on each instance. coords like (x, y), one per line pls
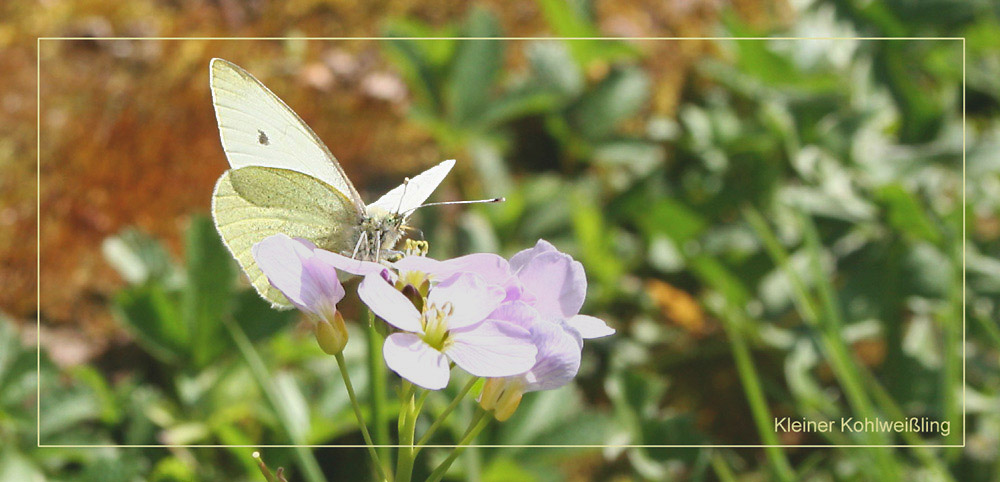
(435, 321)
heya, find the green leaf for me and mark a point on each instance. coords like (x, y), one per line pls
(419, 62)
(594, 239)
(138, 258)
(474, 68)
(573, 19)
(540, 413)
(503, 469)
(207, 297)
(901, 70)
(514, 105)
(294, 405)
(617, 97)
(65, 408)
(553, 68)
(626, 161)
(256, 316)
(641, 392)
(172, 469)
(713, 273)
(152, 316)
(89, 375)
(670, 217)
(674, 430)
(906, 214)
(15, 466)
(10, 347)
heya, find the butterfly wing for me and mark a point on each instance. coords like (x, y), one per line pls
(252, 203)
(408, 196)
(258, 129)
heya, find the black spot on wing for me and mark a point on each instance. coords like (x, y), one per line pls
(262, 138)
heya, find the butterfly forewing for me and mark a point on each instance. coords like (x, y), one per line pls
(258, 129)
(252, 203)
(412, 194)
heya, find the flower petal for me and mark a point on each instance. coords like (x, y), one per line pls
(524, 256)
(493, 268)
(492, 348)
(411, 358)
(350, 265)
(292, 268)
(589, 326)
(321, 288)
(558, 358)
(469, 295)
(423, 264)
(557, 282)
(389, 304)
(518, 313)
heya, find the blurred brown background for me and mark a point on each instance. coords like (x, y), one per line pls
(128, 136)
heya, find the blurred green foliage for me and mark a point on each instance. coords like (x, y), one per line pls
(808, 197)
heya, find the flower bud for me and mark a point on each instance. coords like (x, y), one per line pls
(507, 404)
(331, 335)
(411, 293)
(502, 395)
(491, 393)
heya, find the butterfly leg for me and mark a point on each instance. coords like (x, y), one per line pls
(361, 240)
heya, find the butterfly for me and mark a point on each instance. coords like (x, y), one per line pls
(283, 179)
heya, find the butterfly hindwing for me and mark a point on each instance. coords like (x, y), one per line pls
(252, 203)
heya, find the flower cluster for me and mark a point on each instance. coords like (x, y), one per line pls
(516, 323)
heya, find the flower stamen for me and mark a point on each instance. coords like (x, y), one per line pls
(435, 321)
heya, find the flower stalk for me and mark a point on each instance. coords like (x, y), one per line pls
(444, 415)
(376, 387)
(383, 476)
(409, 411)
(479, 422)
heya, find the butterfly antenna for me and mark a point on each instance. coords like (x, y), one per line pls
(444, 203)
(406, 184)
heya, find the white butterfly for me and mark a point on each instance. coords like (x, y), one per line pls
(285, 180)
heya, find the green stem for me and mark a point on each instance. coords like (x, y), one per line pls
(934, 464)
(376, 388)
(310, 467)
(361, 420)
(444, 415)
(266, 472)
(408, 413)
(951, 370)
(989, 327)
(732, 321)
(722, 470)
(422, 399)
(823, 316)
(479, 422)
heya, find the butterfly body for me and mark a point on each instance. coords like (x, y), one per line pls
(378, 235)
(283, 179)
